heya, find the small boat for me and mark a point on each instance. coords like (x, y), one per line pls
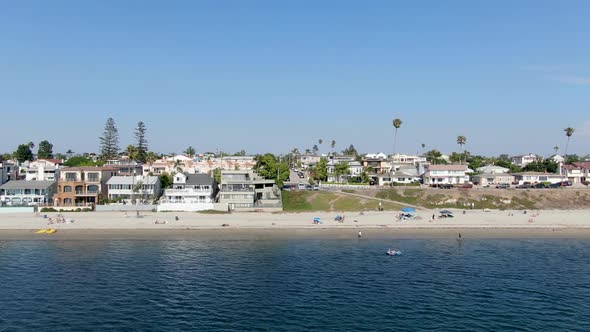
(50, 231)
(392, 252)
(41, 231)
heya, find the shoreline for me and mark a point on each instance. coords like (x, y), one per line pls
(503, 224)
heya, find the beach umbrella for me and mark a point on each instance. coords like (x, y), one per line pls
(408, 210)
(446, 212)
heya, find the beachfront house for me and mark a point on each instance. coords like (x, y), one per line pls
(436, 175)
(576, 172)
(41, 169)
(134, 189)
(398, 177)
(27, 193)
(354, 170)
(245, 190)
(189, 192)
(489, 179)
(83, 186)
(7, 172)
(537, 177)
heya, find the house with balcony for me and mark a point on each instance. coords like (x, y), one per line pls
(189, 192)
(27, 193)
(436, 175)
(83, 186)
(578, 172)
(41, 170)
(355, 170)
(398, 177)
(244, 190)
(8, 171)
(134, 189)
(492, 169)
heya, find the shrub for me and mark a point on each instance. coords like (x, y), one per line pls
(46, 209)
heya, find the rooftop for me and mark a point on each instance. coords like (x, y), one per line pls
(447, 168)
(133, 180)
(22, 184)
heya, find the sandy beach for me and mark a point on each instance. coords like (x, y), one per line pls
(476, 223)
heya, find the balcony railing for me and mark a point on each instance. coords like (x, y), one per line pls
(87, 192)
(187, 191)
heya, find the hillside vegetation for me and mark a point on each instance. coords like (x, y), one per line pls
(322, 201)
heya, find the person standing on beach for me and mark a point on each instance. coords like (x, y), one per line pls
(360, 234)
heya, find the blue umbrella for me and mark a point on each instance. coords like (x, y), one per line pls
(408, 209)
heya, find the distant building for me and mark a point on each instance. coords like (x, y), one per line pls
(244, 190)
(445, 174)
(134, 189)
(379, 155)
(8, 172)
(406, 159)
(557, 159)
(491, 169)
(576, 172)
(524, 160)
(537, 177)
(398, 177)
(189, 192)
(27, 193)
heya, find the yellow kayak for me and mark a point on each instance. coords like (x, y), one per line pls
(46, 231)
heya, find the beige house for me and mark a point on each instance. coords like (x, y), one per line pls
(488, 179)
(436, 175)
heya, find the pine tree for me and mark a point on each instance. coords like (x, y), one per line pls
(45, 150)
(109, 142)
(23, 153)
(142, 143)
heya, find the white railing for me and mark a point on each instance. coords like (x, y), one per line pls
(187, 191)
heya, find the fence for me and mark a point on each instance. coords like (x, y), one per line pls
(124, 208)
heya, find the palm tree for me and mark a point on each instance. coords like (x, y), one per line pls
(69, 153)
(178, 164)
(461, 140)
(315, 149)
(569, 131)
(190, 152)
(397, 123)
(556, 148)
(423, 147)
(320, 142)
(333, 145)
(307, 151)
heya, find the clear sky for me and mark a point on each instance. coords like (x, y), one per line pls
(274, 75)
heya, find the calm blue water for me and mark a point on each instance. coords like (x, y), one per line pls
(294, 285)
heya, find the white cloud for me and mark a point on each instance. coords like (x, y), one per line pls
(580, 80)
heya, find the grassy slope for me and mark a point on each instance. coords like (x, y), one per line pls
(307, 201)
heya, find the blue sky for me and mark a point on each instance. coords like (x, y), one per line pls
(274, 75)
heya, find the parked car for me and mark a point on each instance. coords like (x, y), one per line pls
(540, 186)
(447, 186)
(287, 188)
(503, 186)
(301, 186)
(524, 186)
(467, 186)
(309, 187)
(316, 188)
(567, 184)
(556, 185)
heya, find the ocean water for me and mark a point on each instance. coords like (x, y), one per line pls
(294, 285)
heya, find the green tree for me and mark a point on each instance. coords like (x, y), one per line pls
(270, 167)
(315, 149)
(217, 175)
(190, 151)
(320, 171)
(109, 141)
(307, 151)
(166, 180)
(45, 150)
(435, 157)
(461, 140)
(333, 145)
(23, 153)
(572, 158)
(240, 153)
(80, 161)
(60, 156)
(151, 157)
(350, 151)
(132, 152)
(341, 169)
(569, 131)
(397, 123)
(70, 153)
(31, 145)
(142, 143)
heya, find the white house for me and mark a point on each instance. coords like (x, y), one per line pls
(355, 170)
(389, 178)
(7, 172)
(445, 174)
(42, 170)
(189, 192)
(558, 159)
(524, 160)
(406, 159)
(379, 155)
(537, 177)
(27, 193)
(142, 189)
(487, 179)
(491, 169)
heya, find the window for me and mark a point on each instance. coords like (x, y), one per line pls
(67, 201)
(93, 177)
(93, 188)
(71, 177)
(67, 189)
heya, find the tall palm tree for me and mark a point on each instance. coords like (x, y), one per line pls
(556, 148)
(461, 140)
(423, 147)
(320, 142)
(315, 149)
(569, 131)
(397, 123)
(307, 151)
